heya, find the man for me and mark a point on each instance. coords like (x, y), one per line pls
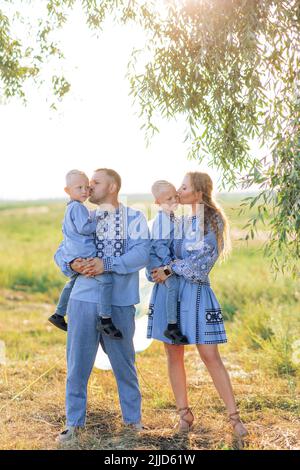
(123, 246)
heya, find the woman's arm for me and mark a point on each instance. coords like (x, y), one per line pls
(197, 265)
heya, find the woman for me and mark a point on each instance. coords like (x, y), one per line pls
(199, 313)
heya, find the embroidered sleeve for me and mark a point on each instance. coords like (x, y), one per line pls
(198, 264)
(107, 264)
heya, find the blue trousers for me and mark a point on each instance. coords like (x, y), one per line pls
(82, 345)
(61, 307)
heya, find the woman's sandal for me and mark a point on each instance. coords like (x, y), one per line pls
(235, 419)
(185, 424)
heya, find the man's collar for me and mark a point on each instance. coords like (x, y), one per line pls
(105, 212)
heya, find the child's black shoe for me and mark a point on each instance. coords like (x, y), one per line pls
(59, 321)
(174, 334)
(106, 326)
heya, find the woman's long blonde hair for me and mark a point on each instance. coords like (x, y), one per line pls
(203, 182)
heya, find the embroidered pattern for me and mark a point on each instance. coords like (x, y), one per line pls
(202, 283)
(201, 258)
(214, 316)
(111, 235)
(150, 320)
(107, 263)
(197, 314)
(215, 332)
(218, 341)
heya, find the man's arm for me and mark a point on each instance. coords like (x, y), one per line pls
(68, 265)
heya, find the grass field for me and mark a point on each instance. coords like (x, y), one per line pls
(262, 355)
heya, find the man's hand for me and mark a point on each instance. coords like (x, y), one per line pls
(94, 267)
(79, 264)
(158, 275)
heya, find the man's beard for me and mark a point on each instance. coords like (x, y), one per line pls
(93, 199)
(98, 200)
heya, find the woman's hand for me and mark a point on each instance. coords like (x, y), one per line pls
(158, 275)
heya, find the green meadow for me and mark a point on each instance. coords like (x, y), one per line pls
(262, 354)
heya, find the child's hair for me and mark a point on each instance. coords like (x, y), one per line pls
(159, 186)
(203, 182)
(73, 173)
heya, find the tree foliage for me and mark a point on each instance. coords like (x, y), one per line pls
(230, 67)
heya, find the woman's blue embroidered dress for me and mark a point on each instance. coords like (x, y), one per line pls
(198, 310)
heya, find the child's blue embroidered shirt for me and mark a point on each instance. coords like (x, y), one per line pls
(79, 227)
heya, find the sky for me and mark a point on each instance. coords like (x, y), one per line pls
(95, 126)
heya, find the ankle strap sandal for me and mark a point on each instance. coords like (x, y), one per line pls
(235, 419)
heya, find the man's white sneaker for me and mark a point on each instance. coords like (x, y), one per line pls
(68, 434)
